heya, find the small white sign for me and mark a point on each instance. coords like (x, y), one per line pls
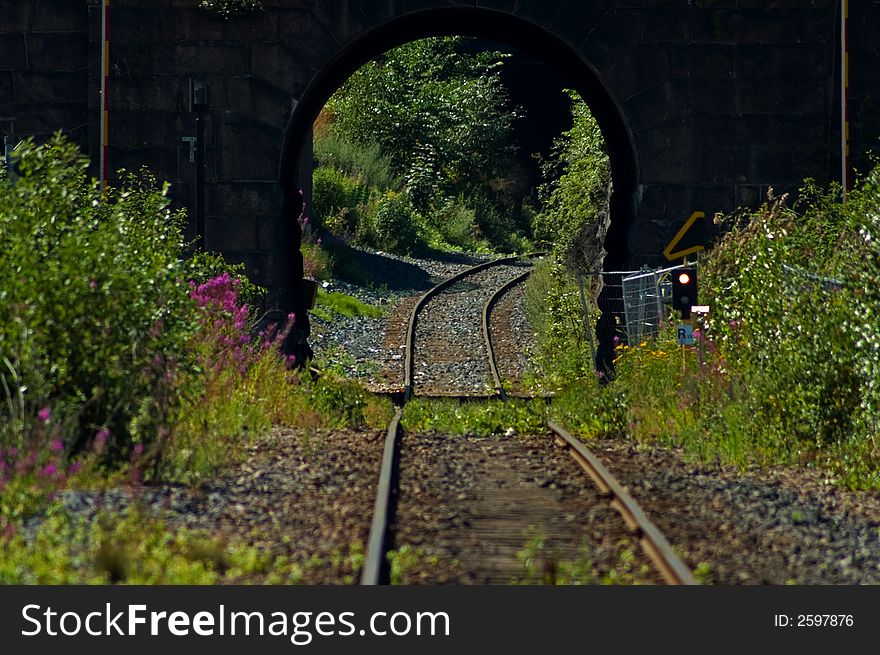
(685, 333)
(700, 309)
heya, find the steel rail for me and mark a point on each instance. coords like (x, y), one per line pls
(374, 560)
(374, 568)
(655, 545)
(413, 317)
(487, 310)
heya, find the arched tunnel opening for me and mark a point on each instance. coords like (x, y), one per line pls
(539, 67)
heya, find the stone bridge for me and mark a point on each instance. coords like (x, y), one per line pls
(704, 104)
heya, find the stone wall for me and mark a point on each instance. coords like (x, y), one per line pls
(707, 103)
(864, 82)
(43, 68)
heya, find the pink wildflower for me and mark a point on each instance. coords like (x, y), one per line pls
(44, 414)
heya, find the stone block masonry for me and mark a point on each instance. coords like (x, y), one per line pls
(704, 104)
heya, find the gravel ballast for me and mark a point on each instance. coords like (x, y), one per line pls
(778, 526)
(470, 509)
(372, 349)
(304, 495)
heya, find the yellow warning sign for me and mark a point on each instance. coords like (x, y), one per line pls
(668, 251)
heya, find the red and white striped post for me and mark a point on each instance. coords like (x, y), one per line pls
(104, 163)
(845, 173)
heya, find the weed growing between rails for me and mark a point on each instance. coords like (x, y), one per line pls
(475, 418)
(542, 565)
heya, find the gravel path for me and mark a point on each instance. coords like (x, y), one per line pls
(470, 509)
(762, 527)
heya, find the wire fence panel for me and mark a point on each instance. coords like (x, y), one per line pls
(632, 309)
(643, 306)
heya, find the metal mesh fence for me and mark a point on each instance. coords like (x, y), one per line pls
(643, 306)
(632, 305)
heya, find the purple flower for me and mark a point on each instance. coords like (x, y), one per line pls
(75, 468)
(102, 436)
(49, 470)
(56, 445)
(44, 414)
(138, 449)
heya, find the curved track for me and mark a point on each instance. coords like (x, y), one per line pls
(445, 355)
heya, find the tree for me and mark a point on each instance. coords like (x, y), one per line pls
(575, 193)
(440, 114)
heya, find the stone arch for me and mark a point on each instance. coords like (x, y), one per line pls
(516, 30)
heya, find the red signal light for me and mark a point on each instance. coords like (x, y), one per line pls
(684, 278)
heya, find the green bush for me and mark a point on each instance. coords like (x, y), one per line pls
(133, 547)
(229, 8)
(430, 119)
(336, 199)
(786, 366)
(362, 161)
(575, 195)
(555, 312)
(394, 225)
(94, 307)
(782, 330)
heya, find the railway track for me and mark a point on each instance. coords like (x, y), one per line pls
(433, 366)
(475, 497)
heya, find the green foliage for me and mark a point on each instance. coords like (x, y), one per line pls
(785, 370)
(204, 266)
(318, 263)
(394, 225)
(407, 562)
(592, 410)
(363, 161)
(132, 548)
(800, 365)
(555, 311)
(455, 226)
(237, 405)
(337, 199)
(93, 294)
(409, 137)
(541, 564)
(575, 194)
(345, 403)
(478, 418)
(229, 8)
(438, 113)
(334, 302)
